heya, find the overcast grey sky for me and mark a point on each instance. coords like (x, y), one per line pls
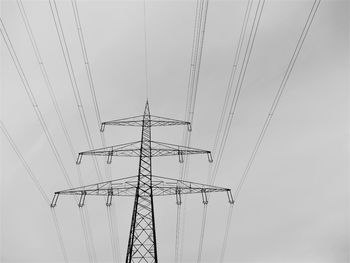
(294, 206)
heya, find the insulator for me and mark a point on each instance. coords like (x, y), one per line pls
(109, 197)
(102, 129)
(230, 197)
(82, 199)
(181, 157)
(189, 127)
(54, 200)
(79, 159)
(178, 197)
(204, 197)
(109, 158)
(210, 157)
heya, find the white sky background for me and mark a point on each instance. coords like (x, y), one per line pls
(294, 205)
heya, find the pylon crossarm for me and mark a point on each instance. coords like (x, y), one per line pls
(153, 121)
(133, 150)
(161, 186)
(168, 149)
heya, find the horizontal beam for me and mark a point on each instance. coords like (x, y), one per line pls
(132, 149)
(161, 186)
(138, 121)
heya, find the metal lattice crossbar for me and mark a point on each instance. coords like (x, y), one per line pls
(142, 245)
(161, 186)
(153, 121)
(132, 149)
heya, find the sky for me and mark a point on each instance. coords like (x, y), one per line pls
(294, 205)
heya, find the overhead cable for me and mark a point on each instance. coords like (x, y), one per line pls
(201, 239)
(196, 57)
(97, 114)
(227, 229)
(238, 87)
(146, 55)
(38, 187)
(272, 110)
(58, 112)
(279, 93)
(74, 85)
(87, 68)
(252, 35)
(33, 102)
(233, 74)
(189, 99)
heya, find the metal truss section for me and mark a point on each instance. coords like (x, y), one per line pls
(127, 187)
(153, 121)
(132, 149)
(142, 244)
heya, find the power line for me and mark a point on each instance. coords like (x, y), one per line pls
(57, 110)
(271, 112)
(279, 93)
(114, 255)
(25, 164)
(252, 35)
(115, 248)
(69, 66)
(33, 102)
(38, 187)
(146, 57)
(113, 230)
(60, 239)
(89, 237)
(246, 58)
(87, 67)
(227, 229)
(201, 239)
(196, 56)
(87, 241)
(232, 75)
(189, 99)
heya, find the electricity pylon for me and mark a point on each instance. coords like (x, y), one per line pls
(142, 245)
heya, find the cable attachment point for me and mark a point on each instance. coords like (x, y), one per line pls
(210, 157)
(230, 197)
(82, 199)
(109, 157)
(109, 197)
(103, 125)
(178, 196)
(204, 197)
(79, 159)
(54, 200)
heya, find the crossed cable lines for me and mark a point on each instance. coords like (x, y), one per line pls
(242, 72)
(213, 173)
(274, 105)
(196, 57)
(229, 107)
(70, 70)
(83, 213)
(39, 188)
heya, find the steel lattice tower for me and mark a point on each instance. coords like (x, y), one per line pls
(142, 238)
(142, 245)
